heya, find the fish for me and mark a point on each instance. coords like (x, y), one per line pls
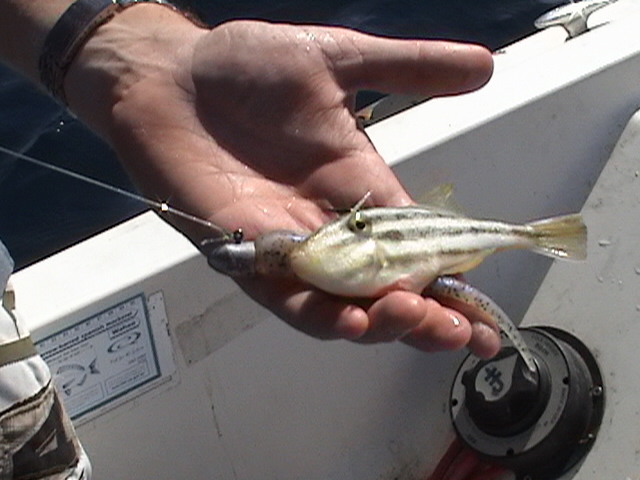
(371, 251)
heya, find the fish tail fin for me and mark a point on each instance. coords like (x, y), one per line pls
(561, 237)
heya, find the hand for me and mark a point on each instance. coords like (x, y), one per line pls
(251, 125)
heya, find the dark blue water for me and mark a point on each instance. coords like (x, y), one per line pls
(42, 212)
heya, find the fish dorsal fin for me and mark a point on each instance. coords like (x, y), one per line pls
(355, 217)
(349, 210)
(360, 203)
(441, 199)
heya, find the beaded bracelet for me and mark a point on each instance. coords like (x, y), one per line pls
(69, 34)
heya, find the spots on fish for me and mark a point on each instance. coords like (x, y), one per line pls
(450, 288)
(273, 251)
(276, 260)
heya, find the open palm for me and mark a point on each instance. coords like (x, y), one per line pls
(251, 126)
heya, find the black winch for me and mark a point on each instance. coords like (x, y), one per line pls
(537, 424)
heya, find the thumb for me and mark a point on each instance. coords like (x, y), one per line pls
(417, 67)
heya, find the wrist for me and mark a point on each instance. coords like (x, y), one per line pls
(147, 42)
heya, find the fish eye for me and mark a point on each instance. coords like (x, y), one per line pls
(358, 224)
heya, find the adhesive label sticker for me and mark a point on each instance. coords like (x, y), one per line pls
(103, 358)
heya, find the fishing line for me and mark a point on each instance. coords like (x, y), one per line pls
(160, 206)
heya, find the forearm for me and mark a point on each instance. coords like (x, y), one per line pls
(24, 26)
(139, 41)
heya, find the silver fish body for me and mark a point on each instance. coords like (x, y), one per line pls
(371, 251)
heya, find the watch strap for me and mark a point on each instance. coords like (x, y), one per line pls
(69, 34)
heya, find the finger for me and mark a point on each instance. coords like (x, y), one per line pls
(439, 329)
(484, 342)
(421, 67)
(393, 316)
(310, 311)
